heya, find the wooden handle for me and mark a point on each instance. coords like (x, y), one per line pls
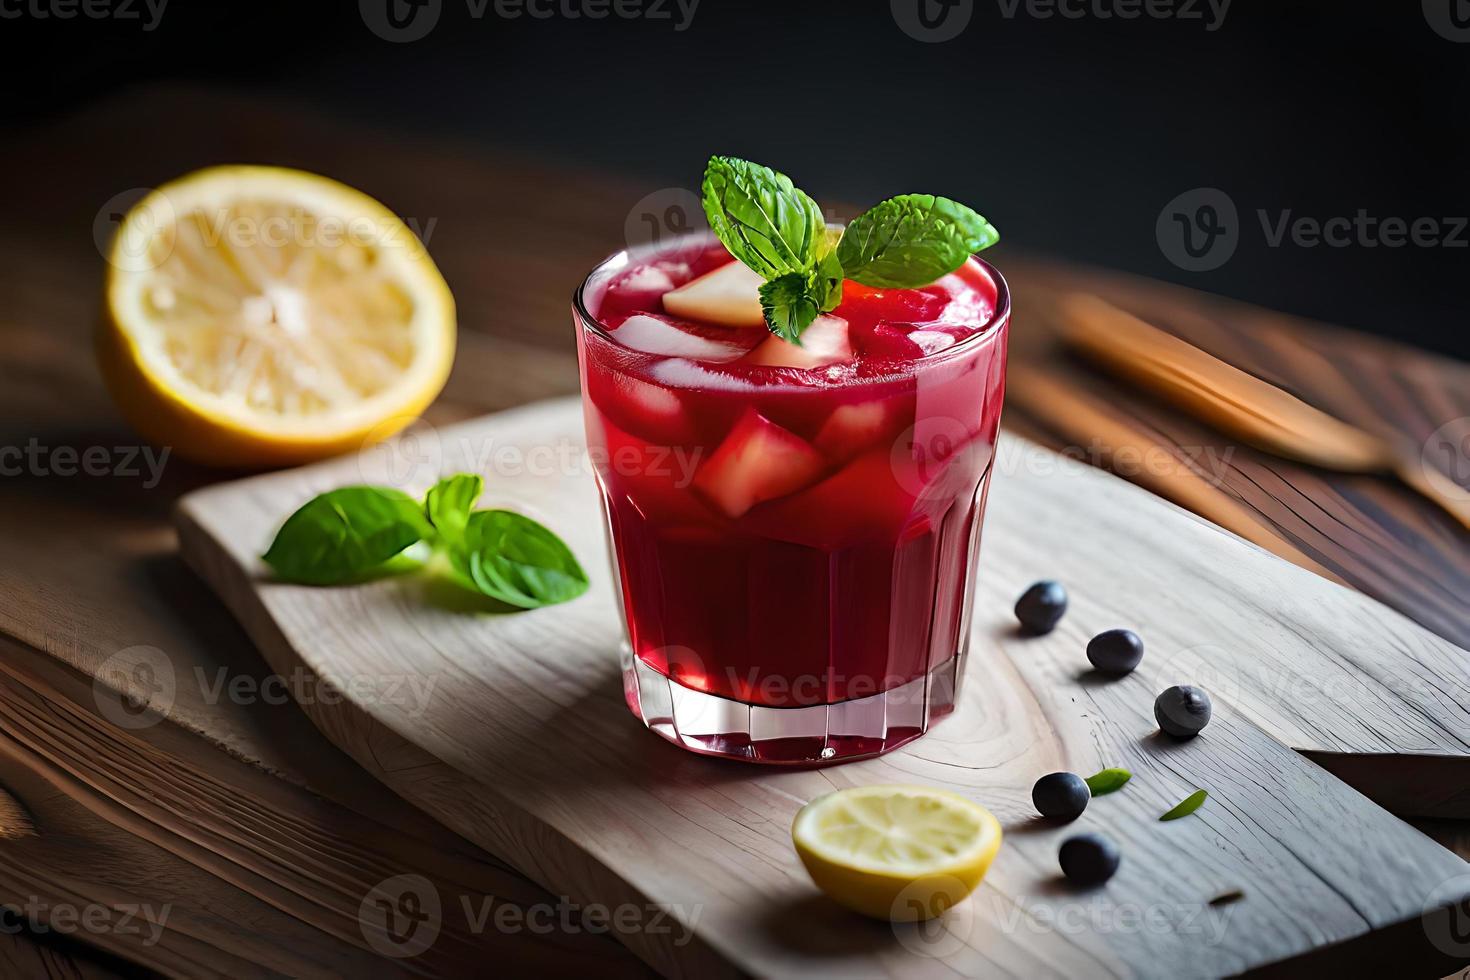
(1210, 389)
(1241, 404)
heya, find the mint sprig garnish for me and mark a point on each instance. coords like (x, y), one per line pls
(911, 241)
(345, 535)
(791, 302)
(789, 305)
(770, 225)
(761, 217)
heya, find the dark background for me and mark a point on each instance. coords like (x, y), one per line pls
(1070, 134)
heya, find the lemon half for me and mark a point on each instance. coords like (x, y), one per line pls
(902, 853)
(259, 316)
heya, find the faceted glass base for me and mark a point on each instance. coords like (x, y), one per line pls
(822, 733)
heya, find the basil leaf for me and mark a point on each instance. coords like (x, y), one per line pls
(1187, 805)
(828, 279)
(1108, 781)
(911, 240)
(450, 501)
(791, 302)
(516, 560)
(345, 533)
(761, 217)
(789, 305)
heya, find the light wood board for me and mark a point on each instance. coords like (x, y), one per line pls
(524, 745)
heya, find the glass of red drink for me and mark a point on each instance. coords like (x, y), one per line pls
(794, 530)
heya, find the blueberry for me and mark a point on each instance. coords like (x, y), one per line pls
(1115, 652)
(1063, 795)
(1088, 859)
(1041, 607)
(1183, 710)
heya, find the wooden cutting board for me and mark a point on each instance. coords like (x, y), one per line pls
(512, 729)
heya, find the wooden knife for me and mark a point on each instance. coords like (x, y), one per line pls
(1242, 405)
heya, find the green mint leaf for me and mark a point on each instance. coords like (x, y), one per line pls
(1187, 805)
(829, 276)
(791, 302)
(761, 218)
(450, 501)
(1108, 781)
(911, 240)
(789, 305)
(343, 534)
(516, 560)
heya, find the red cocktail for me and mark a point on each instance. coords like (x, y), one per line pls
(794, 528)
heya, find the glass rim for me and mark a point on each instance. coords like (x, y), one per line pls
(999, 319)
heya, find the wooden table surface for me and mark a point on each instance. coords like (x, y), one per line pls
(235, 813)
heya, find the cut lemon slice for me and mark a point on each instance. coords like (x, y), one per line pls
(260, 316)
(902, 853)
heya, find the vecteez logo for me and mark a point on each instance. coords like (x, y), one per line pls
(1210, 13)
(663, 215)
(149, 13)
(401, 916)
(406, 452)
(139, 245)
(1446, 916)
(1450, 19)
(1445, 459)
(1198, 230)
(400, 21)
(932, 21)
(135, 687)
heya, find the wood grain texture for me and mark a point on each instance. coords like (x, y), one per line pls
(15, 821)
(528, 710)
(253, 846)
(24, 955)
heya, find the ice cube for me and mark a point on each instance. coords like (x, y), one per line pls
(655, 335)
(932, 341)
(758, 461)
(660, 403)
(676, 272)
(888, 341)
(729, 296)
(824, 342)
(682, 373)
(640, 288)
(652, 411)
(646, 278)
(972, 296)
(865, 307)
